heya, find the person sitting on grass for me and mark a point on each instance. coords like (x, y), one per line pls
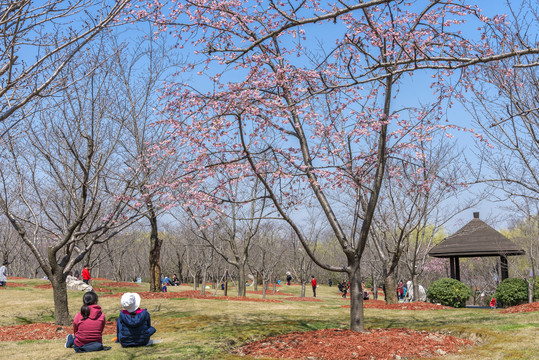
(134, 326)
(88, 326)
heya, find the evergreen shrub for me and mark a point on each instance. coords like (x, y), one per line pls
(448, 292)
(511, 292)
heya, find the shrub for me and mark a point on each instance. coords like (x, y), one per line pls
(512, 292)
(448, 292)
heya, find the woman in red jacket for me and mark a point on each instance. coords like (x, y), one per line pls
(88, 326)
(86, 275)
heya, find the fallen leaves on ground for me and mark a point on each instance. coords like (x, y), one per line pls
(43, 331)
(335, 344)
(522, 308)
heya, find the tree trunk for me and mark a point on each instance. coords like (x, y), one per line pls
(59, 291)
(415, 288)
(204, 274)
(374, 289)
(155, 255)
(530, 290)
(303, 288)
(241, 280)
(274, 286)
(390, 289)
(264, 287)
(356, 299)
(195, 281)
(180, 270)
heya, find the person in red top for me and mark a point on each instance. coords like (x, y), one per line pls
(313, 283)
(86, 275)
(88, 326)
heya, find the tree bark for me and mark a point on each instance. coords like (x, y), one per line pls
(204, 275)
(415, 288)
(374, 289)
(195, 280)
(155, 253)
(59, 291)
(356, 299)
(390, 288)
(241, 280)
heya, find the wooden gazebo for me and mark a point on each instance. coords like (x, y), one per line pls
(476, 239)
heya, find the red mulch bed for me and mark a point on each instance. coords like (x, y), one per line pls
(417, 305)
(101, 279)
(334, 344)
(522, 308)
(43, 331)
(296, 298)
(193, 294)
(12, 284)
(44, 286)
(16, 278)
(119, 284)
(268, 292)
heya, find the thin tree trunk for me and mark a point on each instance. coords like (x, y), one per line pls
(374, 289)
(155, 253)
(415, 288)
(303, 282)
(356, 299)
(241, 281)
(204, 274)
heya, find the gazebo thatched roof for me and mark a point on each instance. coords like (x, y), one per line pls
(476, 239)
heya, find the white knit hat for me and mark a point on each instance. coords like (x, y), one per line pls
(130, 302)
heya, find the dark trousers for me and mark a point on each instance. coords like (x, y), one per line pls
(93, 346)
(314, 291)
(86, 281)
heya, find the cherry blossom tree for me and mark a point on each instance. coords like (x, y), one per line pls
(312, 120)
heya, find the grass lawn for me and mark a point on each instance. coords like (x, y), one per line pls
(209, 329)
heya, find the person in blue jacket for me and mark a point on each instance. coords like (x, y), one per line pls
(134, 326)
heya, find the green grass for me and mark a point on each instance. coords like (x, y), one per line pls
(209, 329)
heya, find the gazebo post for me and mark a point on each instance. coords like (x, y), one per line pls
(504, 267)
(452, 266)
(457, 268)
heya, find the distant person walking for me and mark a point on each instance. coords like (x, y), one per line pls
(288, 278)
(313, 284)
(86, 275)
(344, 287)
(3, 274)
(330, 282)
(400, 290)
